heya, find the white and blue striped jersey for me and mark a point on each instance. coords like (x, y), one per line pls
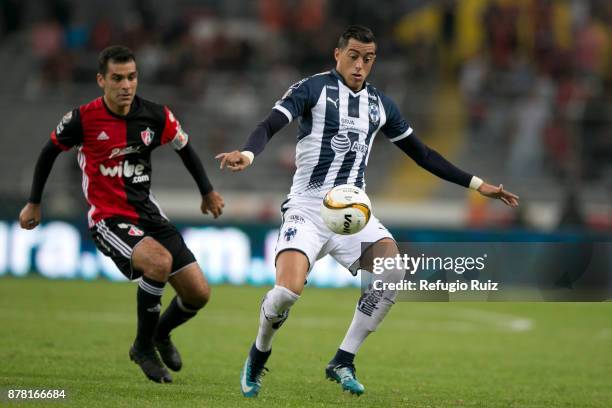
(336, 130)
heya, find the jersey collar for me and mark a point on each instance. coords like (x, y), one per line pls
(134, 108)
(337, 75)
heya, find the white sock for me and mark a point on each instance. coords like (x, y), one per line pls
(371, 309)
(274, 311)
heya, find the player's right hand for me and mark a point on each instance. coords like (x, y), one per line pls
(235, 161)
(214, 203)
(29, 217)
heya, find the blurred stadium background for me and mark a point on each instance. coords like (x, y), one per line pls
(516, 91)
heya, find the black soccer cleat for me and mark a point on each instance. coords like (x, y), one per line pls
(151, 365)
(168, 353)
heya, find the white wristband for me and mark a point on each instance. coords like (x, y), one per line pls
(475, 182)
(248, 154)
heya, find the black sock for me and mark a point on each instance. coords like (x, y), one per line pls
(259, 358)
(148, 298)
(177, 313)
(343, 358)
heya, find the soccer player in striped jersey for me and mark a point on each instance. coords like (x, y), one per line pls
(115, 135)
(338, 114)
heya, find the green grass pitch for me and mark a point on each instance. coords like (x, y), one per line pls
(75, 336)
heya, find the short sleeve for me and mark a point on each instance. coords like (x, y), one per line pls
(69, 132)
(296, 100)
(173, 132)
(396, 127)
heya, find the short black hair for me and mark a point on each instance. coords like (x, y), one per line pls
(357, 32)
(114, 53)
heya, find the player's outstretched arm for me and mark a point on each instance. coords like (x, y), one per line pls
(433, 162)
(30, 215)
(255, 144)
(491, 191)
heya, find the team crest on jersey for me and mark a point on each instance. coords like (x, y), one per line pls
(133, 230)
(374, 112)
(147, 136)
(290, 233)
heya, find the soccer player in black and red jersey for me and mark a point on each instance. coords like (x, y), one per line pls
(114, 135)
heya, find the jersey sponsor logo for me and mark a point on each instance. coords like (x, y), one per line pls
(335, 88)
(123, 151)
(140, 179)
(147, 136)
(102, 136)
(374, 112)
(359, 147)
(290, 233)
(124, 169)
(340, 144)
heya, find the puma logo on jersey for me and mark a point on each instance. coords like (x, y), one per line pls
(334, 102)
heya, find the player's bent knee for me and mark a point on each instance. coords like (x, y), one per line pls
(199, 298)
(158, 266)
(291, 270)
(277, 302)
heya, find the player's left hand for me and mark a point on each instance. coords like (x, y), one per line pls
(214, 203)
(492, 191)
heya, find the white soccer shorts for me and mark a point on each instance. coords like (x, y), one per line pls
(304, 230)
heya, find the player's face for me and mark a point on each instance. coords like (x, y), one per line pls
(354, 62)
(119, 85)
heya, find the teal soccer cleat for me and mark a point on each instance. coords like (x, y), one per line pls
(253, 372)
(345, 375)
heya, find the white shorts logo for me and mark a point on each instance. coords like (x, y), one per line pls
(290, 233)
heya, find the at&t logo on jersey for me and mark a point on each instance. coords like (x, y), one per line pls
(341, 144)
(125, 169)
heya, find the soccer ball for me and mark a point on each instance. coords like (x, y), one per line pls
(346, 209)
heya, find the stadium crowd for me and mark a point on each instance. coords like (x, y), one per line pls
(532, 77)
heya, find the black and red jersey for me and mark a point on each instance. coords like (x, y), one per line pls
(114, 153)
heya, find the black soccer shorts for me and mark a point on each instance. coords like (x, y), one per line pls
(116, 238)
